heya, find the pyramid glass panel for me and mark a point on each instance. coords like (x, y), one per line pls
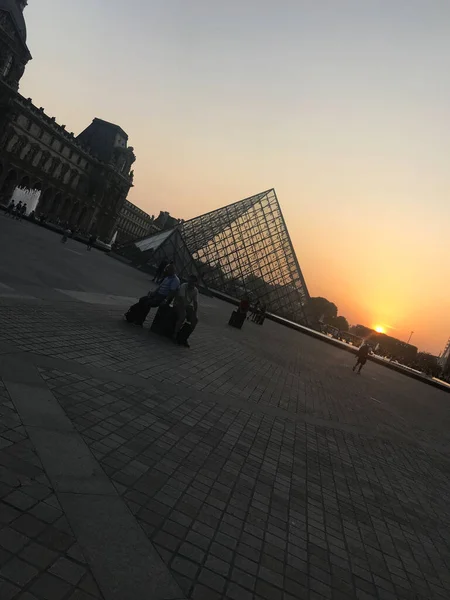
(245, 247)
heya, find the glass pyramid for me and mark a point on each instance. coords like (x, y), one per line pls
(246, 247)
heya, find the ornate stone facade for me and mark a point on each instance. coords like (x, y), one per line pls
(134, 223)
(83, 180)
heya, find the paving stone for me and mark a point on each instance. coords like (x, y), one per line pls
(243, 578)
(12, 540)
(80, 595)
(268, 591)
(260, 461)
(8, 590)
(38, 555)
(185, 567)
(19, 500)
(236, 592)
(18, 571)
(8, 513)
(54, 539)
(89, 585)
(192, 552)
(28, 525)
(68, 570)
(49, 587)
(212, 580)
(201, 592)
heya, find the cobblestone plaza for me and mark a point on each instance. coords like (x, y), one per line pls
(255, 465)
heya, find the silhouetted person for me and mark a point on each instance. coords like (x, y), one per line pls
(261, 315)
(18, 211)
(65, 235)
(361, 359)
(91, 242)
(160, 271)
(166, 292)
(254, 310)
(11, 208)
(186, 307)
(244, 305)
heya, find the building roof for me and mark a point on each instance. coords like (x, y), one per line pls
(109, 124)
(17, 15)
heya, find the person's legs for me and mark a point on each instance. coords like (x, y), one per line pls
(144, 309)
(181, 316)
(191, 317)
(139, 312)
(356, 365)
(152, 302)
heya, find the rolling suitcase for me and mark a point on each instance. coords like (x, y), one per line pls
(139, 311)
(237, 319)
(164, 321)
(184, 333)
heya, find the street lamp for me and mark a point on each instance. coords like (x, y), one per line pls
(410, 336)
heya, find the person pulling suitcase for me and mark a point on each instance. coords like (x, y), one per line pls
(137, 313)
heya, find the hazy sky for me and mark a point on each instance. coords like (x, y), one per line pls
(342, 105)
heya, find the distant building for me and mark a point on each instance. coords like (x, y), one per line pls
(164, 221)
(444, 359)
(387, 345)
(82, 180)
(134, 223)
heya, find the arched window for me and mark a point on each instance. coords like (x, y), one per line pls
(7, 66)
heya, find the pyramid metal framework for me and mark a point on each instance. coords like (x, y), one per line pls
(444, 359)
(166, 245)
(246, 247)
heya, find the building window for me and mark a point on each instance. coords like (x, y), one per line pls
(7, 66)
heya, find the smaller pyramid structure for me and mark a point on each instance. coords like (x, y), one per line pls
(167, 245)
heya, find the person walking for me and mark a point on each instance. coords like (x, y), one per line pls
(18, 211)
(186, 307)
(10, 209)
(254, 309)
(361, 357)
(166, 292)
(91, 242)
(65, 235)
(244, 305)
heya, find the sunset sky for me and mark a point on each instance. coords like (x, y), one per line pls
(343, 106)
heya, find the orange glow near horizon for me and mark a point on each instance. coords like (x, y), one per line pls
(380, 329)
(361, 171)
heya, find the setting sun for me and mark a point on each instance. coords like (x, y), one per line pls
(380, 329)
